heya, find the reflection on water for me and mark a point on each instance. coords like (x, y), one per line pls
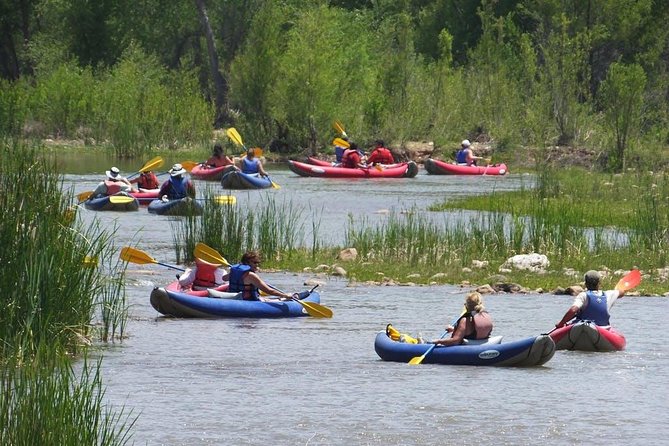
(319, 382)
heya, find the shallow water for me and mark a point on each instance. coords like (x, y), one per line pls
(319, 382)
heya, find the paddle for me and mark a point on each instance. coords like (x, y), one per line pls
(338, 126)
(152, 164)
(188, 165)
(418, 359)
(312, 308)
(234, 135)
(629, 281)
(341, 143)
(209, 254)
(121, 199)
(140, 257)
(218, 199)
(84, 196)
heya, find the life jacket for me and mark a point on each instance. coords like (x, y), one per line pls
(217, 162)
(351, 158)
(113, 187)
(205, 274)
(381, 156)
(482, 325)
(596, 309)
(249, 166)
(237, 273)
(339, 153)
(461, 157)
(148, 180)
(179, 188)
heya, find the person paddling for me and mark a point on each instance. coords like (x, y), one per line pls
(177, 185)
(475, 323)
(113, 184)
(244, 278)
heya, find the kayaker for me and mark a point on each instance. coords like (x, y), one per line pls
(352, 157)
(251, 164)
(475, 323)
(202, 276)
(177, 185)
(339, 151)
(592, 304)
(146, 181)
(219, 158)
(244, 278)
(113, 184)
(380, 154)
(465, 156)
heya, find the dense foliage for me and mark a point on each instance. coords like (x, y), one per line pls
(136, 75)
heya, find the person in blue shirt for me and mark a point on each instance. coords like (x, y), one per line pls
(465, 156)
(177, 185)
(250, 164)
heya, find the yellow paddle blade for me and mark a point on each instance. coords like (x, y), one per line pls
(70, 214)
(234, 135)
(84, 195)
(225, 199)
(152, 164)
(209, 254)
(121, 199)
(316, 310)
(134, 255)
(275, 186)
(338, 126)
(341, 143)
(188, 165)
(90, 262)
(417, 360)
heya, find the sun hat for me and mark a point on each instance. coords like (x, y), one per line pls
(113, 173)
(466, 143)
(177, 170)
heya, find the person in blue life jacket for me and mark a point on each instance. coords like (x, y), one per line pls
(592, 304)
(475, 323)
(177, 185)
(113, 184)
(465, 156)
(243, 278)
(251, 165)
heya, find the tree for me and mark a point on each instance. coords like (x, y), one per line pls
(621, 97)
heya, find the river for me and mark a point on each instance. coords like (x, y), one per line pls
(319, 382)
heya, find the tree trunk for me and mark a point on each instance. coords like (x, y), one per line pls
(220, 84)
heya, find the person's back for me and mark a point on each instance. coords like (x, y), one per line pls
(177, 186)
(219, 158)
(479, 325)
(148, 181)
(113, 184)
(380, 155)
(351, 158)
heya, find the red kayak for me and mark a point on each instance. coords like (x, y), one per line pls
(146, 197)
(436, 167)
(208, 173)
(401, 170)
(319, 162)
(586, 336)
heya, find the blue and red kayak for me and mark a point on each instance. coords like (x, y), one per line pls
(238, 180)
(209, 173)
(183, 206)
(589, 337)
(104, 203)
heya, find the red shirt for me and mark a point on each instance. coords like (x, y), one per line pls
(381, 155)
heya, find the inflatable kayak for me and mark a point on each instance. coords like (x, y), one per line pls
(171, 303)
(532, 351)
(320, 162)
(182, 206)
(146, 197)
(238, 180)
(436, 167)
(104, 203)
(589, 337)
(208, 173)
(400, 170)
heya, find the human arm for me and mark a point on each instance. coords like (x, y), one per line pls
(187, 278)
(457, 336)
(569, 315)
(261, 169)
(255, 279)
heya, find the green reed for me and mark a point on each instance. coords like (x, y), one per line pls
(46, 401)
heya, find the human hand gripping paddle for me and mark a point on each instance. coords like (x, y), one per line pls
(419, 359)
(134, 255)
(210, 255)
(234, 135)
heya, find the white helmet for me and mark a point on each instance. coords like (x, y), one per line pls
(466, 143)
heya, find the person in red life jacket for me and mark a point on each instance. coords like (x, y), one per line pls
(475, 323)
(113, 184)
(219, 158)
(243, 278)
(465, 155)
(252, 165)
(177, 185)
(380, 154)
(592, 304)
(352, 157)
(147, 181)
(202, 276)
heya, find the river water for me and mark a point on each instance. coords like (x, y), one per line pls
(307, 381)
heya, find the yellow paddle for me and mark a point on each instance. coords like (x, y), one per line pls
(338, 126)
(234, 135)
(134, 255)
(152, 164)
(341, 143)
(418, 359)
(312, 308)
(121, 199)
(83, 196)
(209, 254)
(225, 199)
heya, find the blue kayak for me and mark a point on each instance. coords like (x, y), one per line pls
(532, 351)
(182, 206)
(239, 180)
(177, 304)
(104, 203)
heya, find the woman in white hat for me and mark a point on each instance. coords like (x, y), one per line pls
(465, 156)
(113, 184)
(177, 185)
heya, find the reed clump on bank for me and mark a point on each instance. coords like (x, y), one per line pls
(60, 291)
